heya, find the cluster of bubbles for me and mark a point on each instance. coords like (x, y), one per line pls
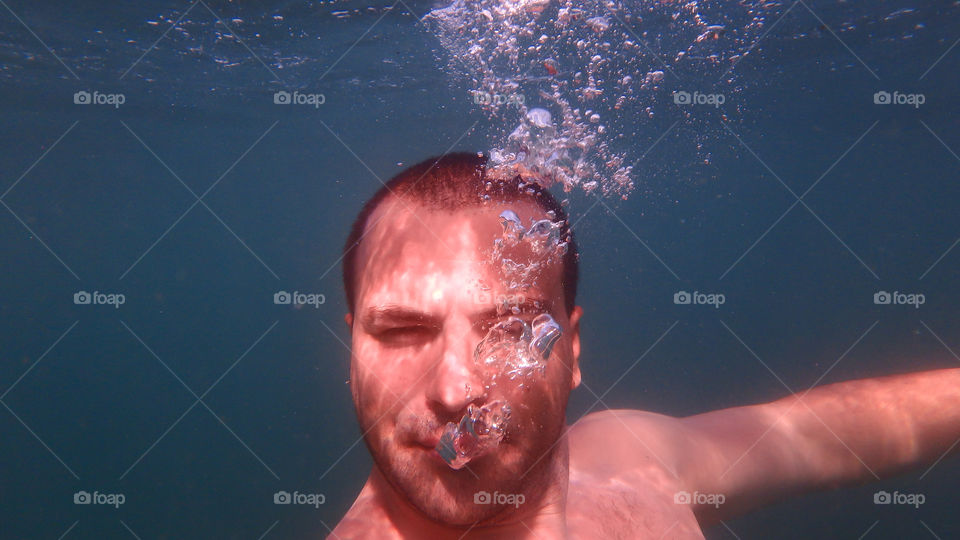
(521, 253)
(568, 84)
(537, 149)
(517, 350)
(507, 53)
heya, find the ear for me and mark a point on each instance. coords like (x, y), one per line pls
(349, 320)
(575, 316)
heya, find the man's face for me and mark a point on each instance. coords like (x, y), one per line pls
(420, 312)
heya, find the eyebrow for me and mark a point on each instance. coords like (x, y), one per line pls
(395, 314)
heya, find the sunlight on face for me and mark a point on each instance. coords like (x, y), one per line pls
(421, 310)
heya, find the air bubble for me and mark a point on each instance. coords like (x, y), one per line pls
(540, 118)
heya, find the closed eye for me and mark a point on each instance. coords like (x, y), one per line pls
(405, 336)
(398, 326)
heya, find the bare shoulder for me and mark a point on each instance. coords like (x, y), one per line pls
(626, 446)
(627, 437)
(622, 478)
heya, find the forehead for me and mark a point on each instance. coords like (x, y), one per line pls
(410, 252)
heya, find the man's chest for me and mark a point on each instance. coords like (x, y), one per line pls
(625, 508)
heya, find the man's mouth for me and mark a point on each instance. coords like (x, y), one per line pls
(478, 433)
(435, 456)
(429, 442)
(428, 446)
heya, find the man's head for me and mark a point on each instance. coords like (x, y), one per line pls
(423, 290)
(453, 182)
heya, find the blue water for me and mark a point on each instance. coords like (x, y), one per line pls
(199, 398)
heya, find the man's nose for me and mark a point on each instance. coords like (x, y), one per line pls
(455, 380)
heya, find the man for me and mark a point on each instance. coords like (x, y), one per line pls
(423, 281)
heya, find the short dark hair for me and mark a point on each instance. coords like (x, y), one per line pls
(455, 181)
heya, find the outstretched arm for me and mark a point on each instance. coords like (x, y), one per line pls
(834, 435)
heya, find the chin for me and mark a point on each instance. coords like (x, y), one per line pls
(447, 496)
(460, 515)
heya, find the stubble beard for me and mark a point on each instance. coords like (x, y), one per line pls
(447, 496)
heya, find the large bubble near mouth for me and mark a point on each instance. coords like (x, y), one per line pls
(478, 433)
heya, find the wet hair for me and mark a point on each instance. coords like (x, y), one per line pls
(452, 182)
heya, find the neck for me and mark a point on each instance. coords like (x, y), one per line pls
(542, 516)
